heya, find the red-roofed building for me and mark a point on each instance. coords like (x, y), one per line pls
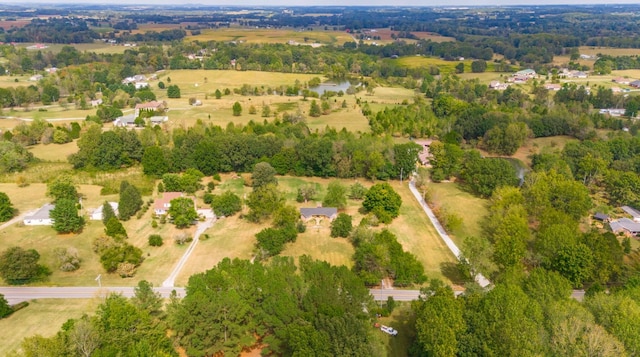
(161, 206)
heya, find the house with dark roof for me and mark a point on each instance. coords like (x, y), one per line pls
(635, 84)
(318, 212)
(40, 217)
(599, 216)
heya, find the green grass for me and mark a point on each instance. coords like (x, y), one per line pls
(402, 319)
(54, 152)
(42, 317)
(470, 208)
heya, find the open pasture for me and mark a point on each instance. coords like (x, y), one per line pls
(444, 66)
(42, 317)
(284, 35)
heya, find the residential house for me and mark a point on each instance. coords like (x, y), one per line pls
(616, 89)
(518, 79)
(626, 226)
(578, 74)
(528, 73)
(96, 215)
(614, 112)
(621, 80)
(140, 85)
(496, 85)
(36, 78)
(635, 84)
(424, 155)
(125, 120)
(318, 213)
(40, 217)
(552, 86)
(161, 205)
(632, 212)
(96, 102)
(149, 106)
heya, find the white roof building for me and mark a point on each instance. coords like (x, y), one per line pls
(96, 215)
(40, 217)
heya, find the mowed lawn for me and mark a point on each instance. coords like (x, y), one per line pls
(42, 317)
(470, 208)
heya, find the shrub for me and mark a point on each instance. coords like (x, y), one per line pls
(68, 259)
(155, 240)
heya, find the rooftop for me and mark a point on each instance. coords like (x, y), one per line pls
(318, 211)
(632, 211)
(42, 213)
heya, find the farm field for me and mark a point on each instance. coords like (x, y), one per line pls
(255, 35)
(42, 317)
(444, 66)
(541, 145)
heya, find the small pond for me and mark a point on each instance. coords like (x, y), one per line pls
(331, 86)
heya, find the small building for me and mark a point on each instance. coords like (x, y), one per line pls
(614, 112)
(552, 86)
(161, 205)
(497, 85)
(635, 84)
(632, 212)
(599, 216)
(40, 217)
(96, 215)
(318, 212)
(529, 73)
(140, 85)
(36, 78)
(626, 226)
(96, 102)
(157, 120)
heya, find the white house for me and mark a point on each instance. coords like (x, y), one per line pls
(96, 215)
(40, 217)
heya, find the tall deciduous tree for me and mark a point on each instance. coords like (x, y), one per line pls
(62, 188)
(263, 174)
(19, 266)
(183, 212)
(6, 208)
(336, 195)
(341, 226)
(383, 201)
(263, 202)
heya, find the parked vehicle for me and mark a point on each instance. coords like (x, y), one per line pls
(389, 330)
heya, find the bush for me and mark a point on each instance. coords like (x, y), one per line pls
(154, 224)
(208, 198)
(155, 240)
(68, 259)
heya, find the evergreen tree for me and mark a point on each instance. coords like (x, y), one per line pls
(114, 228)
(107, 212)
(130, 201)
(237, 109)
(65, 217)
(314, 109)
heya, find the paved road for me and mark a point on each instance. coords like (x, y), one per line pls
(480, 279)
(202, 226)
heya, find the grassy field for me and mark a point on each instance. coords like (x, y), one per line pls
(470, 208)
(444, 66)
(254, 35)
(98, 47)
(402, 319)
(54, 152)
(42, 317)
(539, 145)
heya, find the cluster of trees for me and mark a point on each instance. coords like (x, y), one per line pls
(530, 314)
(107, 150)
(288, 148)
(316, 309)
(65, 196)
(378, 255)
(21, 266)
(135, 326)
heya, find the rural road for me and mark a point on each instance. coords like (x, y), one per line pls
(15, 295)
(202, 226)
(16, 219)
(480, 279)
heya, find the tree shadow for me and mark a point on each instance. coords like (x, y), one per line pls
(453, 273)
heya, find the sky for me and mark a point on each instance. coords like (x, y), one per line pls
(340, 2)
